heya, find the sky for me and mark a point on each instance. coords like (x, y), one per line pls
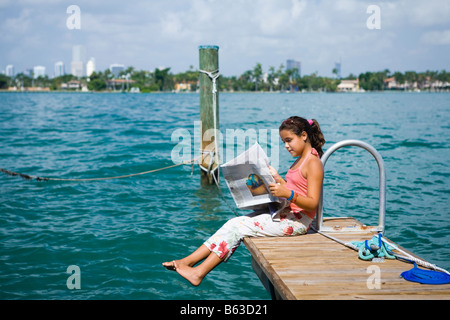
(406, 35)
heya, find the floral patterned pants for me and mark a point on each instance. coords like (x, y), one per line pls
(226, 240)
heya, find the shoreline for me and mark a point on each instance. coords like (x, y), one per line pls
(226, 92)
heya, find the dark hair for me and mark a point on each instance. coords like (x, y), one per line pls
(298, 124)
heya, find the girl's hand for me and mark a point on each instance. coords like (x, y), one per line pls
(273, 172)
(278, 190)
(276, 175)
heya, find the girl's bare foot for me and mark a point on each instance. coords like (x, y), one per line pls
(169, 265)
(172, 265)
(185, 267)
(189, 273)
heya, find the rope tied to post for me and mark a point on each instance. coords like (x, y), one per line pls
(30, 177)
(213, 75)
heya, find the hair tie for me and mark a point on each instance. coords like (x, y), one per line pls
(310, 122)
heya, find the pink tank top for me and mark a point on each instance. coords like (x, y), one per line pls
(298, 183)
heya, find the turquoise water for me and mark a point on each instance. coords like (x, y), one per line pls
(119, 231)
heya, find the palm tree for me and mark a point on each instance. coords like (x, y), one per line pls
(271, 77)
(257, 73)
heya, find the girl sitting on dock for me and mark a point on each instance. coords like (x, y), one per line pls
(303, 139)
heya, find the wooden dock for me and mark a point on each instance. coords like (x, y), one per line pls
(313, 267)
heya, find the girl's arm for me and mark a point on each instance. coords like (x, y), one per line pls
(315, 180)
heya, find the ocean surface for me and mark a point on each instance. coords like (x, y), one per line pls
(118, 232)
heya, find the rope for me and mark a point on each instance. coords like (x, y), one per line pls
(347, 244)
(213, 75)
(29, 177)
(425, 276)
(409, 257)
(211, 161)
(406, 256)
(373, 249)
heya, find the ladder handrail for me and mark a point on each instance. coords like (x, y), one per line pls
(382, 178)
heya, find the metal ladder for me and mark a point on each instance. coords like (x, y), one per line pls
(382, 198)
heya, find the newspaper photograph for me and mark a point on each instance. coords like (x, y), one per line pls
(248, 178)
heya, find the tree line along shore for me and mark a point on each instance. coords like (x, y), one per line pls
(253, 80)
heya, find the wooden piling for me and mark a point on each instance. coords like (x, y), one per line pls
(209, 113)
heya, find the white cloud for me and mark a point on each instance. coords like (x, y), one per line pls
(147, 34)
(271, 17)
(427, 13)
(298, 7)
(346, 6)
(436, 37)
(5, 3)
(18, 25)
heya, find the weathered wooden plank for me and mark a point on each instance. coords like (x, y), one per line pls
(270, 273)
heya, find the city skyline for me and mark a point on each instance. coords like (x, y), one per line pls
(405, 35)
(80, 66)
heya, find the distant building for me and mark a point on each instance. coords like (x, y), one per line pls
(185, 86)
(116, 69)
(79, 53)
(34, 89)
(390, 83)
(9, 70)
(77, 68)
(293, 64)
(59, 69)
(78, 61)
(337, 66)
(38, 71)
(90, 67)
(28, 72)
(348, 86)
(121, 83)
(73, 84)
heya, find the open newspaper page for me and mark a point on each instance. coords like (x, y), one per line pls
(248, 178)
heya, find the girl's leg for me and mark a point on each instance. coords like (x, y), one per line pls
(220, 246)
(215, 250)
(198, 255)
(195, 275)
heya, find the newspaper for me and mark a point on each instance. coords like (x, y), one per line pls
(248, 178)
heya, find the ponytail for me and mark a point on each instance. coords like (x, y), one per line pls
(312, 128)
(316, 137)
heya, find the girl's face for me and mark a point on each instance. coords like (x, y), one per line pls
(293, 143)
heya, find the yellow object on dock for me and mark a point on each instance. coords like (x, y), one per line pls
(314, 267)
